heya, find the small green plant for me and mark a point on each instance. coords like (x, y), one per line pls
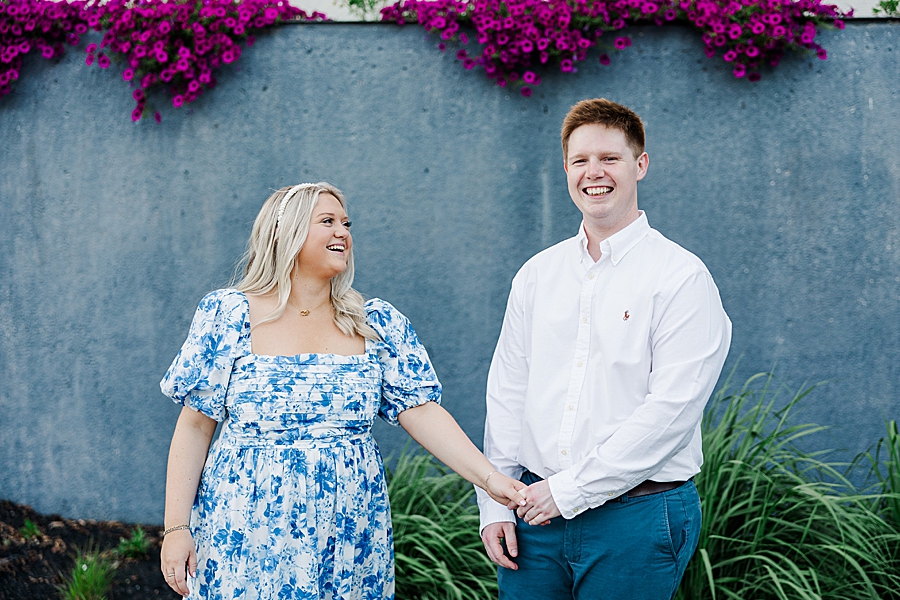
(890, 8)
(30, 530)
(91, 577)
(437, 549)
(136, 546)
(367, 10)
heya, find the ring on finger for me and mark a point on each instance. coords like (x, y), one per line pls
(171, 575)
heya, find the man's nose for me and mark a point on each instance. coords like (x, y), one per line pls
(595, 169)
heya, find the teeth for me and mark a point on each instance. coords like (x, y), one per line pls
(336, 247)
(598, 191)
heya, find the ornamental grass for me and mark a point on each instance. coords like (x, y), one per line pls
(780, 521)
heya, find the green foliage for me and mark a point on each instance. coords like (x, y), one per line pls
(30, 530)
(890, 8)
(367, 10)
(91, 577)
(888, 487)
(136, 546)
(438, 551)
(780, 522)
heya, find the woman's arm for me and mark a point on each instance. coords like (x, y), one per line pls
(187, 455)
(439, 433)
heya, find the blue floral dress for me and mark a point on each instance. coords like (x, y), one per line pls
(292, 502)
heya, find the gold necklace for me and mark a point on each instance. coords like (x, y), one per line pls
(305, 313)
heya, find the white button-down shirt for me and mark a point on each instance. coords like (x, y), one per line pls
(602, 369)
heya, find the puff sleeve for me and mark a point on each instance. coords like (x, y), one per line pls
(408, 379)
(199, 375)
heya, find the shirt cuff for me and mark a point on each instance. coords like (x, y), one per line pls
(569, 500)
(565, 493)
(494, 512)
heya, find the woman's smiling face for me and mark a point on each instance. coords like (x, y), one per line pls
(327, 247)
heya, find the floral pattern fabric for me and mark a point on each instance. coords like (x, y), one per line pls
(293, 502)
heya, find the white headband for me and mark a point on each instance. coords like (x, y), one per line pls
(290, 193)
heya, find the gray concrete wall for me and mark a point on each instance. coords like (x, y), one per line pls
(789, 190)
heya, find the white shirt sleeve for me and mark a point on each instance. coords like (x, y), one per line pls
(689, 343)
(506, 387)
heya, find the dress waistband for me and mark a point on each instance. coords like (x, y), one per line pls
(291, 441)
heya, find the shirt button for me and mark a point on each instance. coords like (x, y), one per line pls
(584, 319)
(564, 452)
(579, 364)
(571, 407)
(611, 494)
(575, 510)
(590, 275)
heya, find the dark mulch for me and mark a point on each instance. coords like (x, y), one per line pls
(30, 569)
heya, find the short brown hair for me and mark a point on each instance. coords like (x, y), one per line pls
(600, 111)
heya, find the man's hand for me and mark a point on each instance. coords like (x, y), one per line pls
(539, 505)
(492, 535)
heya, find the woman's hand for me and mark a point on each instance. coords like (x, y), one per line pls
(178, 559)
(504, 489)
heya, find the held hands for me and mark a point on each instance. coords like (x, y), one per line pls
(178, 559)
(539, 506)
(504, 489)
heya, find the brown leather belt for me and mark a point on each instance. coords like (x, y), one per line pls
(650, 487)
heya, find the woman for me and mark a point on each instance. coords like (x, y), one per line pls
(292, 501)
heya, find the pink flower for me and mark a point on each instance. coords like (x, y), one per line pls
(128, 74)
(136, 114)
(91, 48)
(157, 117)
(103, 61)
(604, 59)
(177, 101)
(526, 91)
(89, 60)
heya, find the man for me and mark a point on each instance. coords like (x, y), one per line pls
(611, 345)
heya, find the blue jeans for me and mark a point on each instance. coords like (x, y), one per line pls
(635, 548)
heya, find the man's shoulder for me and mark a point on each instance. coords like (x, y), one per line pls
(672, 261)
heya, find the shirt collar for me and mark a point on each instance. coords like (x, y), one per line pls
(618, 245)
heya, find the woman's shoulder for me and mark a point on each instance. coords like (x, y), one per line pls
(226, 302)
(382, 311)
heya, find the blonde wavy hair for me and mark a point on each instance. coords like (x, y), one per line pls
(278, 234)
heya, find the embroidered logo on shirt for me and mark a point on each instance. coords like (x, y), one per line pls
(626, 317)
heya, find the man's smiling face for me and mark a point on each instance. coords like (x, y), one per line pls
(602, 174)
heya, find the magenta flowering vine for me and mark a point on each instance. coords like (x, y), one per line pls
(45, 27)
(174, 45)
(178, 45)
(517, 36)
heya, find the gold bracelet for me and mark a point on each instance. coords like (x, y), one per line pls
(488, 478)
(176, 528)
